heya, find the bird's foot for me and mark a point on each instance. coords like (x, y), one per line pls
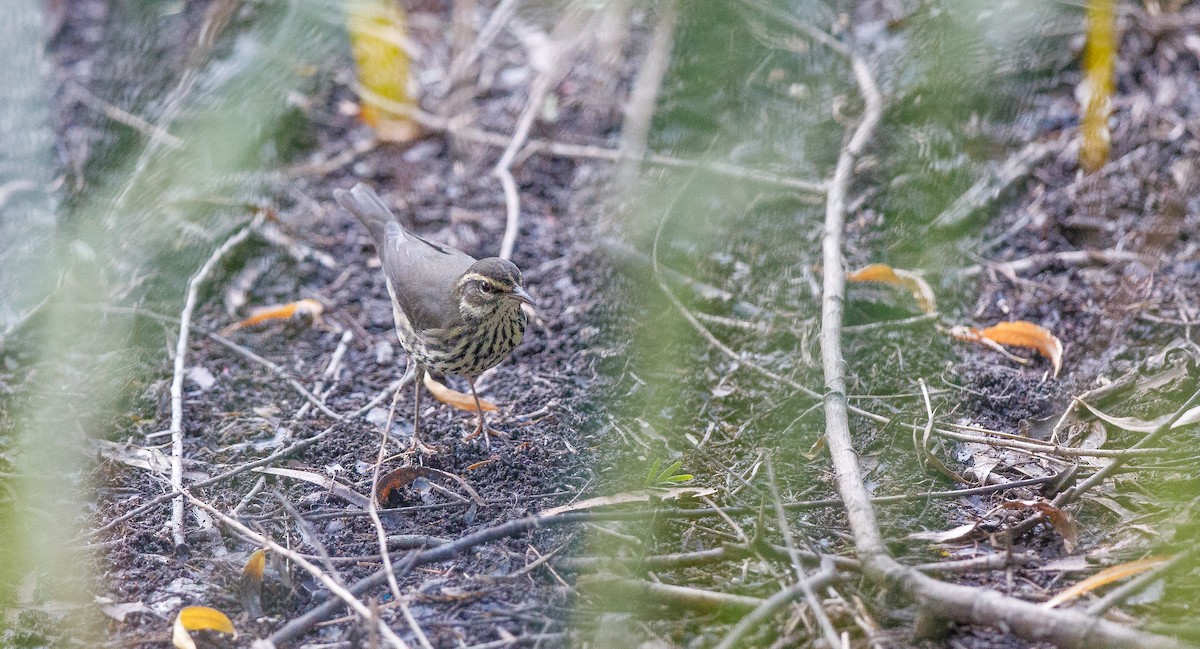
(480, 428)
(417, 446)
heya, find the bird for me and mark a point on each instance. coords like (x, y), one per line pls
(455, 315)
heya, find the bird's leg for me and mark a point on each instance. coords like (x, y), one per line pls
(480, 425)
(417, 444)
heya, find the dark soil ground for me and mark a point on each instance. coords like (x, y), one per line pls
(583, 418)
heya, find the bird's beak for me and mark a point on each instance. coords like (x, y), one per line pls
(520, 295)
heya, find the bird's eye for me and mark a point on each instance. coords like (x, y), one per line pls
(487, 287)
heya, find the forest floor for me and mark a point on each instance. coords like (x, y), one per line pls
(314, 396)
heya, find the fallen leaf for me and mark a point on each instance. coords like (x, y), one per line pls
(1103, 578)
(200, 375)
(198, 618)
(1060, 519)
(906, 279)
(1096, 89)
(333, 486)
(307, 308)
(119, 611)
(381, 47)
(250, 583)
(640, 496)
(150, 459)
(1135, 425)
(960, 533)
(454, 398)
(1018, 333)
(405, 475)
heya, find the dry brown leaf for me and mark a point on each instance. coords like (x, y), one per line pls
(454, 398)
(198, 618)
(906, 279)
(641, 496)
(404, 476)
(1060, 519)
(1103, 578)
(307, 308)
(1017, 333)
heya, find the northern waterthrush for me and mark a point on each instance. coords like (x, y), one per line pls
(454, 314)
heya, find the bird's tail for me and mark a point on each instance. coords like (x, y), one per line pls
(368, 208)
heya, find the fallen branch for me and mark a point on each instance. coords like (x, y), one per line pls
(938, 600)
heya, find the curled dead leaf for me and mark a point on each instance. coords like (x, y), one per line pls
(333, 486)
(198, 618)
(640, 496)
(306, 308)
(1103, 578)
(1062, 522)
(404, 476)
(1018, 333)
(454, 398)
(885, 274)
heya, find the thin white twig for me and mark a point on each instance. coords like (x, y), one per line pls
(938, 599)
(642, 99)
(185, 323)
(381, 534)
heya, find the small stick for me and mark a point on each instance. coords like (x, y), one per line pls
(185, 323)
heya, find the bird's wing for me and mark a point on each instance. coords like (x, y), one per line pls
(423, 274)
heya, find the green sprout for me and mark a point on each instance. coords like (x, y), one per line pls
(659, 477)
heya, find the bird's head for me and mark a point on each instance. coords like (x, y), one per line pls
(489, 287)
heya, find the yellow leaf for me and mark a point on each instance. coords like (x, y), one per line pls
(198, 618)
(1103, 578)
(909, 280)
(379, 40)
(1096, 88)
(255, 565)
(454, 398)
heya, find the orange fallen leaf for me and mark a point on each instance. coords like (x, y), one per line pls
(1103, 578)
(250, 583)
(1018, 333)
(255, 565)
(307, 307)
(198, 618)
(454, 398)
(885, 274)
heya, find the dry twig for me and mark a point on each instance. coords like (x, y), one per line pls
(181, 344)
